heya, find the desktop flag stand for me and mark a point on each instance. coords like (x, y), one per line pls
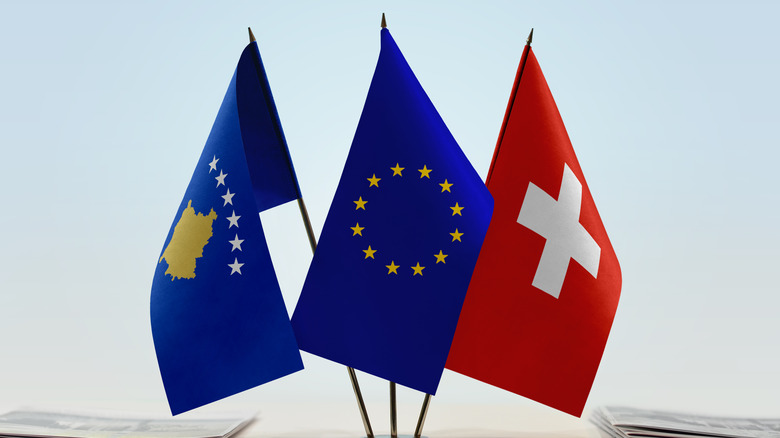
(413, 260)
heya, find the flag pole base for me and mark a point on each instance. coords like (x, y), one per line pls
(397, 436)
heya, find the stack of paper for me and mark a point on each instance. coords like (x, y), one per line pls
(622, 422)
(43, 424)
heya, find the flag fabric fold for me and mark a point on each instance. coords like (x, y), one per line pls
(546, 286)
(388, 278)
(218, 319)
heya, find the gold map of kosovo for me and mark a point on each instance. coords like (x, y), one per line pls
(190, 236)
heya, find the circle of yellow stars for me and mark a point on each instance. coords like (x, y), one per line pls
(370, 252)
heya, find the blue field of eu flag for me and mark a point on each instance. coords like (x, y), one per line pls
(218, 319)
(387, 282)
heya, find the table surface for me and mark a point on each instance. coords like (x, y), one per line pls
(342, 420)
(443, 421)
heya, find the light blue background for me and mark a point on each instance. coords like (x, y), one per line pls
(672, 108)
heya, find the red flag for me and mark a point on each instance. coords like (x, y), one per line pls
(545, 289)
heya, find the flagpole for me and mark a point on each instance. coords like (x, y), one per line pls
(361, 404)
(423, 414)
(350, 370)
(307, 224)
(393, 404)
(393, 412)
(511, 103)
(313, 244)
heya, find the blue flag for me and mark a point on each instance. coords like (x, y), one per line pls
(387, 282)
(218, 319)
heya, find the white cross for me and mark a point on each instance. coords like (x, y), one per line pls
(558, 221)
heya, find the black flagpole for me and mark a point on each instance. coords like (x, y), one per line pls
(393, 412)
(393, 404)
(511, 103)
(423, 414)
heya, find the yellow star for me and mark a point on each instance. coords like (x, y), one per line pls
(362, 204)
(392, 268)
(440, 257)
(369, 252)
(418, 269)
(374, 181)
(357, 229)
(397, 170)
(445, 186)
(455, 210)
(425, 172)
(456, 235)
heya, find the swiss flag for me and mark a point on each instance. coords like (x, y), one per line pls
(545, 289)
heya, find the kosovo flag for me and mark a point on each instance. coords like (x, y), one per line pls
(400, 241)
(218, 319)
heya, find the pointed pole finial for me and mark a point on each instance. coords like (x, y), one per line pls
(384, 22)
(251, 35)
(530, 37)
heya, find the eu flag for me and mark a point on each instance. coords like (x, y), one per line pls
(400, 241)
(218, 320)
